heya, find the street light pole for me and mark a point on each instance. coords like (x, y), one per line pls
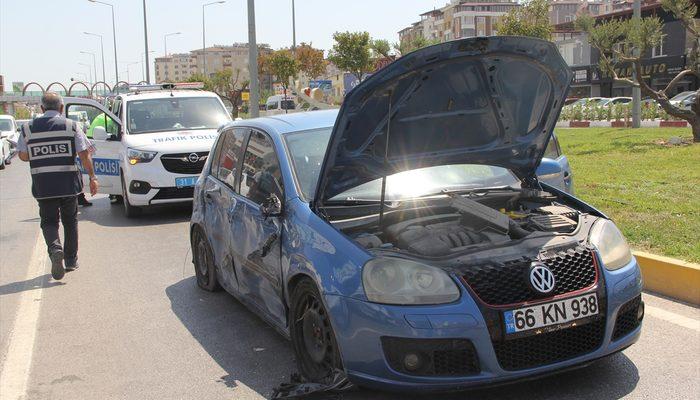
(94, 63)
(114, 38)
(165, 40)
(294, 30)
(88, 68)
(143, 71)
(128, 64)
(204, 41)
(636, 90)
(253, 62)
(145, 41)
(102, 50)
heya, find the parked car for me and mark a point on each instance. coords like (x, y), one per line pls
(614, 100)
(406, 239)
(678, 99)
(280, 104)
(8, 139)
(688, 101)
(589, 101)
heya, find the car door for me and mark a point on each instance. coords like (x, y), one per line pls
(106, 157)
(554, 169)
(222, 203)
(255, 237)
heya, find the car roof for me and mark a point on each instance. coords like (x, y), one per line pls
(294, 122)
(5, 116)
(161, 94)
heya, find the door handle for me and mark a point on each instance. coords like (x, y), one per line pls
(209, 193)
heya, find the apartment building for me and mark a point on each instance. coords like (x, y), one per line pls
(180, 67)
(458, 19)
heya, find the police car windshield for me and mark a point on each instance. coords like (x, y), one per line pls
(175, 113)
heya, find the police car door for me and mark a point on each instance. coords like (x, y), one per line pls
(106, 158)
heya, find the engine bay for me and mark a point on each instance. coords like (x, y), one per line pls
(463, 222)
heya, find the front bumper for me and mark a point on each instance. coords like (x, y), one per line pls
(360, 326)
(162, 184)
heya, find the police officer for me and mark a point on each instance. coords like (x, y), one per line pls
(50, 144)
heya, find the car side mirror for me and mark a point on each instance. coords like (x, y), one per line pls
(271, 207)
(548, 169)
(99, 133)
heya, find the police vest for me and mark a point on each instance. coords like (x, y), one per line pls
(51, 147)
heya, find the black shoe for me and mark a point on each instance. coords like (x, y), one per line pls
(57, 270)
(72, 267)
(82, 201)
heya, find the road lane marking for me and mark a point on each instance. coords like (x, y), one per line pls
(673, 318)
(15, 370)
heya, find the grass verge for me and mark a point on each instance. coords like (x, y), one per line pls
(650, 190)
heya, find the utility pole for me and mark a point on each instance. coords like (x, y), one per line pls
(145, 42)
(253, 62)
(636, 90)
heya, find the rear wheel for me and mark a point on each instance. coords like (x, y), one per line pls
(129, 210)
(203, 259)
(312, 334)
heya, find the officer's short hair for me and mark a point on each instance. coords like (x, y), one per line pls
(51, 101)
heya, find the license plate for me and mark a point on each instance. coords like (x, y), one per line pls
(186, 182)
(552, 313)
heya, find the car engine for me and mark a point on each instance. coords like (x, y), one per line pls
(468, 223)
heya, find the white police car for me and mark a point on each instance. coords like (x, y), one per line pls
(153, 143)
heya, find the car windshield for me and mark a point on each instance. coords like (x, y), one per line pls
(308, 148)
(175, 113)
(681, 96)
(287, 104)
(6, 125)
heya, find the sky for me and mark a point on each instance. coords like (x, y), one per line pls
(41, 40)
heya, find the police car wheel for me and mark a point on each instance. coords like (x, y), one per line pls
(129, 210)
(203, 260)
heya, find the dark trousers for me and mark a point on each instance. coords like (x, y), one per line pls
(65, 210)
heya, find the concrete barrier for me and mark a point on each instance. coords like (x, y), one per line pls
(670, 277)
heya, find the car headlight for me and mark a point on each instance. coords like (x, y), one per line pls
(397, 281)
(611, 245)
(140, 156)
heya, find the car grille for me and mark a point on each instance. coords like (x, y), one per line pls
(627, 320)
(169, 193)
(551, 347)
(179, 163)
(507, 283)
(439, 357)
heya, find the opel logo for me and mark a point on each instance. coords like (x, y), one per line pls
(193, 158)
(541, 278)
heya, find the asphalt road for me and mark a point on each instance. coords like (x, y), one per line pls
(132, 324)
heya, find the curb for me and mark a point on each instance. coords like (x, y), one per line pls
(668, 276)
(620, 124)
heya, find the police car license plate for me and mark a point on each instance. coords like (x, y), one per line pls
(186, 182)
(552, 313)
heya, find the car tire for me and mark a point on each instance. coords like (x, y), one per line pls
(313, 339)
(203, 260)
(129, 210)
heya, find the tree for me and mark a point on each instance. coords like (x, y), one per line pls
(351, 52)
(530, 19)
(407, 46)
(624, 42)
(226, 84)
(284, 66)
(311, 61)
(380, 48)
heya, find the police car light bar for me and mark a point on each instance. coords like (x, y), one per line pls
(167, 86)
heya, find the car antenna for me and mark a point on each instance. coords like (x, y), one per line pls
(386, 163)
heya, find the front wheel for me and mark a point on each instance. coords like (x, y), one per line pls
(312, 335)
(129, 210)
(203, 260)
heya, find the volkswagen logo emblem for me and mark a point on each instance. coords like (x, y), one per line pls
(541, 278)
(193, 158)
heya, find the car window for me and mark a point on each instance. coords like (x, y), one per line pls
(6, 125)
(261, 171)
(272, 106)
(175, 113)
(228, 156)
(552, 150)
(90, 117)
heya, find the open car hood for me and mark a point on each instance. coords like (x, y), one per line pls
(491, 101)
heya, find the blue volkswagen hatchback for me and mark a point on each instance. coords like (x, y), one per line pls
(406, 238)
